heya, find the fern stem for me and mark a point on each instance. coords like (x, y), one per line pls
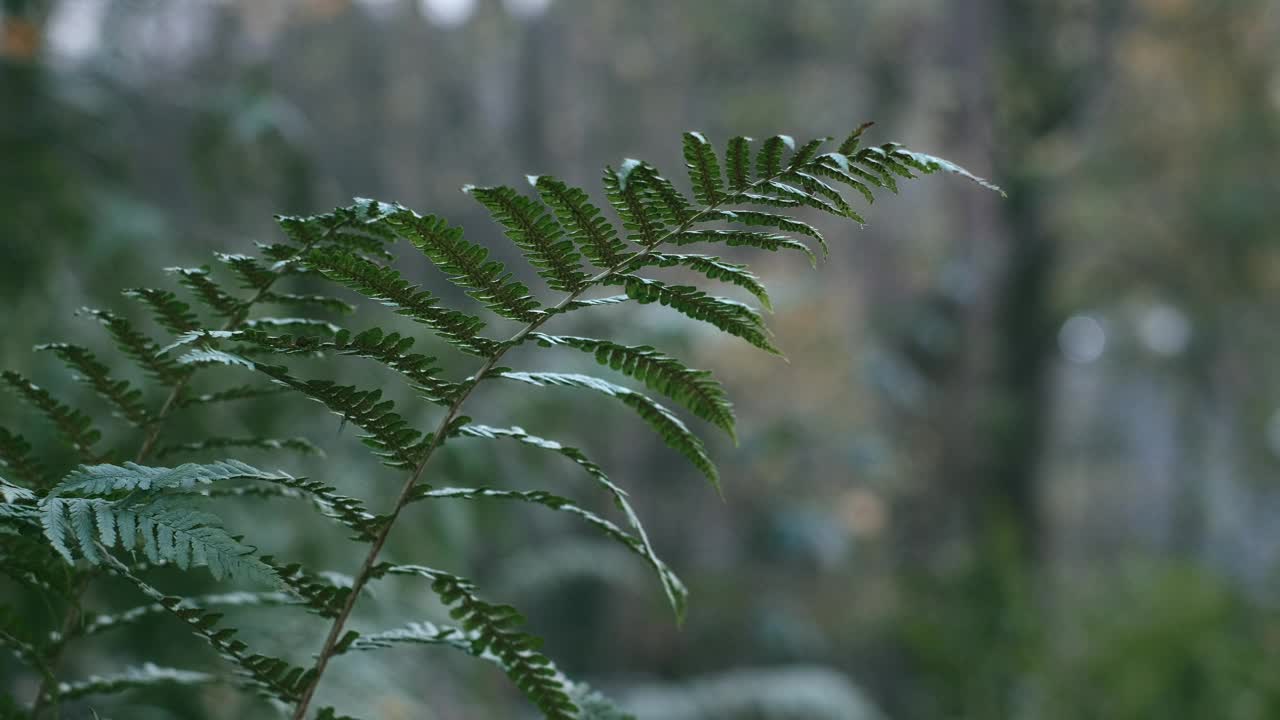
(406, 491)
(48, 683)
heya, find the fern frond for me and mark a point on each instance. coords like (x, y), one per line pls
(806, 153)
(74, 426)
(532, 228)
(745, 238)
(704, 168)
(296, 444)
(728, 315)
(586, 225)
(758, 218)
(466, 264)
(139, 348)
(670, 204)
(737, 163)
(253, 276)
(388, 287)
(817, 187)
(357, 228)
(10, 493)
(166, 529)
(389, 349)
(324, 595)
(929, 164)
(105, 622)
(126, 400)
(201, 284)
(876, 168)
(15, 455)
(836, 167)
(715, 269)
(134, 678)
(270, 677)
(105, 480)
(672, 430)
(676, 593)
(851, 142)
(629, 191)
(387, 433)
(695, 389)
(169, 312)
(769, 159)
(490, 633)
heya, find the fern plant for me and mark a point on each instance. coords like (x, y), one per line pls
(121, 515)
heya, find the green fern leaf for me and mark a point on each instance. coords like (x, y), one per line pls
(630, 192)
(800, 197)
(675, 590)
(324, 595)
(764, 219)
(728, 315)
(695, 389)
(532, 228)
(271, 678)
(390, 350)
(169, 312)
(491, 634)
(388, 287)
(104, 480)
(252, 275)
(199, 282)
(704, 168)
(737, 163)
(837, 167)
(126, 400)
(466, 264)
(671, 204)
(594, 235)
(676, 593)
(139, 348)
(816, 186)
(716, 269)
(167, 529)
(880, 171)
(745, 238)
(13, 494)
(769, 160)
(672, 430)
(806, 153)
(390, 437)
(74, 426)
(928, 164)
(850, 144)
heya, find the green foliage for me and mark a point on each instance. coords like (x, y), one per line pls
(121, 514)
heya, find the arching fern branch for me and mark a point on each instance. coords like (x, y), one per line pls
(748, 196)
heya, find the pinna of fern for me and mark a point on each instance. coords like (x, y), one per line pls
(743, 197)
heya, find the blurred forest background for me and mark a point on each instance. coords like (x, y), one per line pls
(1023, 461)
